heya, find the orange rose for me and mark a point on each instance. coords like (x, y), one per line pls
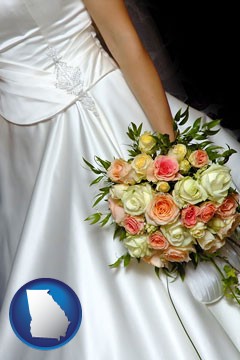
(158, 241)
(207, 211)
(173, 254)
(162, 210)
(198, 158)
(118, 170)
(228, 207)
(155, 260)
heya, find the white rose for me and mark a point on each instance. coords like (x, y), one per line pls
(209, 241)
(215, 224)
(198, 231)
(136, 199)
(177, 234)
(188, 191)
(216, 180)
(137, 246)
(118, 190)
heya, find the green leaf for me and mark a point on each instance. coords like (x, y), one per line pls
(131, 135)
(200, 137)
(105, 189)
(197, 123)
(97, 180)
(94, 218)
(127, 259)
(104, 163)
(95, 170)
(205, 143)
(214, 147)
(181, 270)
(157, 271)
(139, 130)
(119, 232)
(184, 116)
(211, 124)
(186, 130)
(212, 132)
(99, 198)
(105, 219)
(177, 117)
(226, 155)
(117, 263)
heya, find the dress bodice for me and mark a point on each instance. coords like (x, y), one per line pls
(49, 54)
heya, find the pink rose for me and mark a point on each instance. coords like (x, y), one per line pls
(198, 158)
(133, 224)
(228, 207)
(207, 211)
(118, 170)
(231, 224)
(116, 209)
(164, 167)
(162, 210)
(158, 241)
(174, 254)
(189, 216)
(155, 260)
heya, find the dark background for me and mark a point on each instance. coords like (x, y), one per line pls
(204, 45)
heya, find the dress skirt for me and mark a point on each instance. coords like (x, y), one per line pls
(127, 313)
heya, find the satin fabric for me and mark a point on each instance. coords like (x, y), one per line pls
(45, 197)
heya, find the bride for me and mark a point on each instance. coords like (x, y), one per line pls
(62, 97)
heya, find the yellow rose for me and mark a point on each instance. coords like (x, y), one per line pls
(146, 142)
(184, 166)
(179, 151)
(140, 163)
(163, 186)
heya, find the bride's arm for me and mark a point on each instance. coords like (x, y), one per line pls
(112, 19)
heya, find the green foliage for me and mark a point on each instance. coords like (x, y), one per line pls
(119, 232)
(125, 259)
(134, 133)
(194, 137)
(231, 286)
(99, 218)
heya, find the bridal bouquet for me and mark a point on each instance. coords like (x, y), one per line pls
(171, 202)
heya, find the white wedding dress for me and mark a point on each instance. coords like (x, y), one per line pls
(63, 98)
